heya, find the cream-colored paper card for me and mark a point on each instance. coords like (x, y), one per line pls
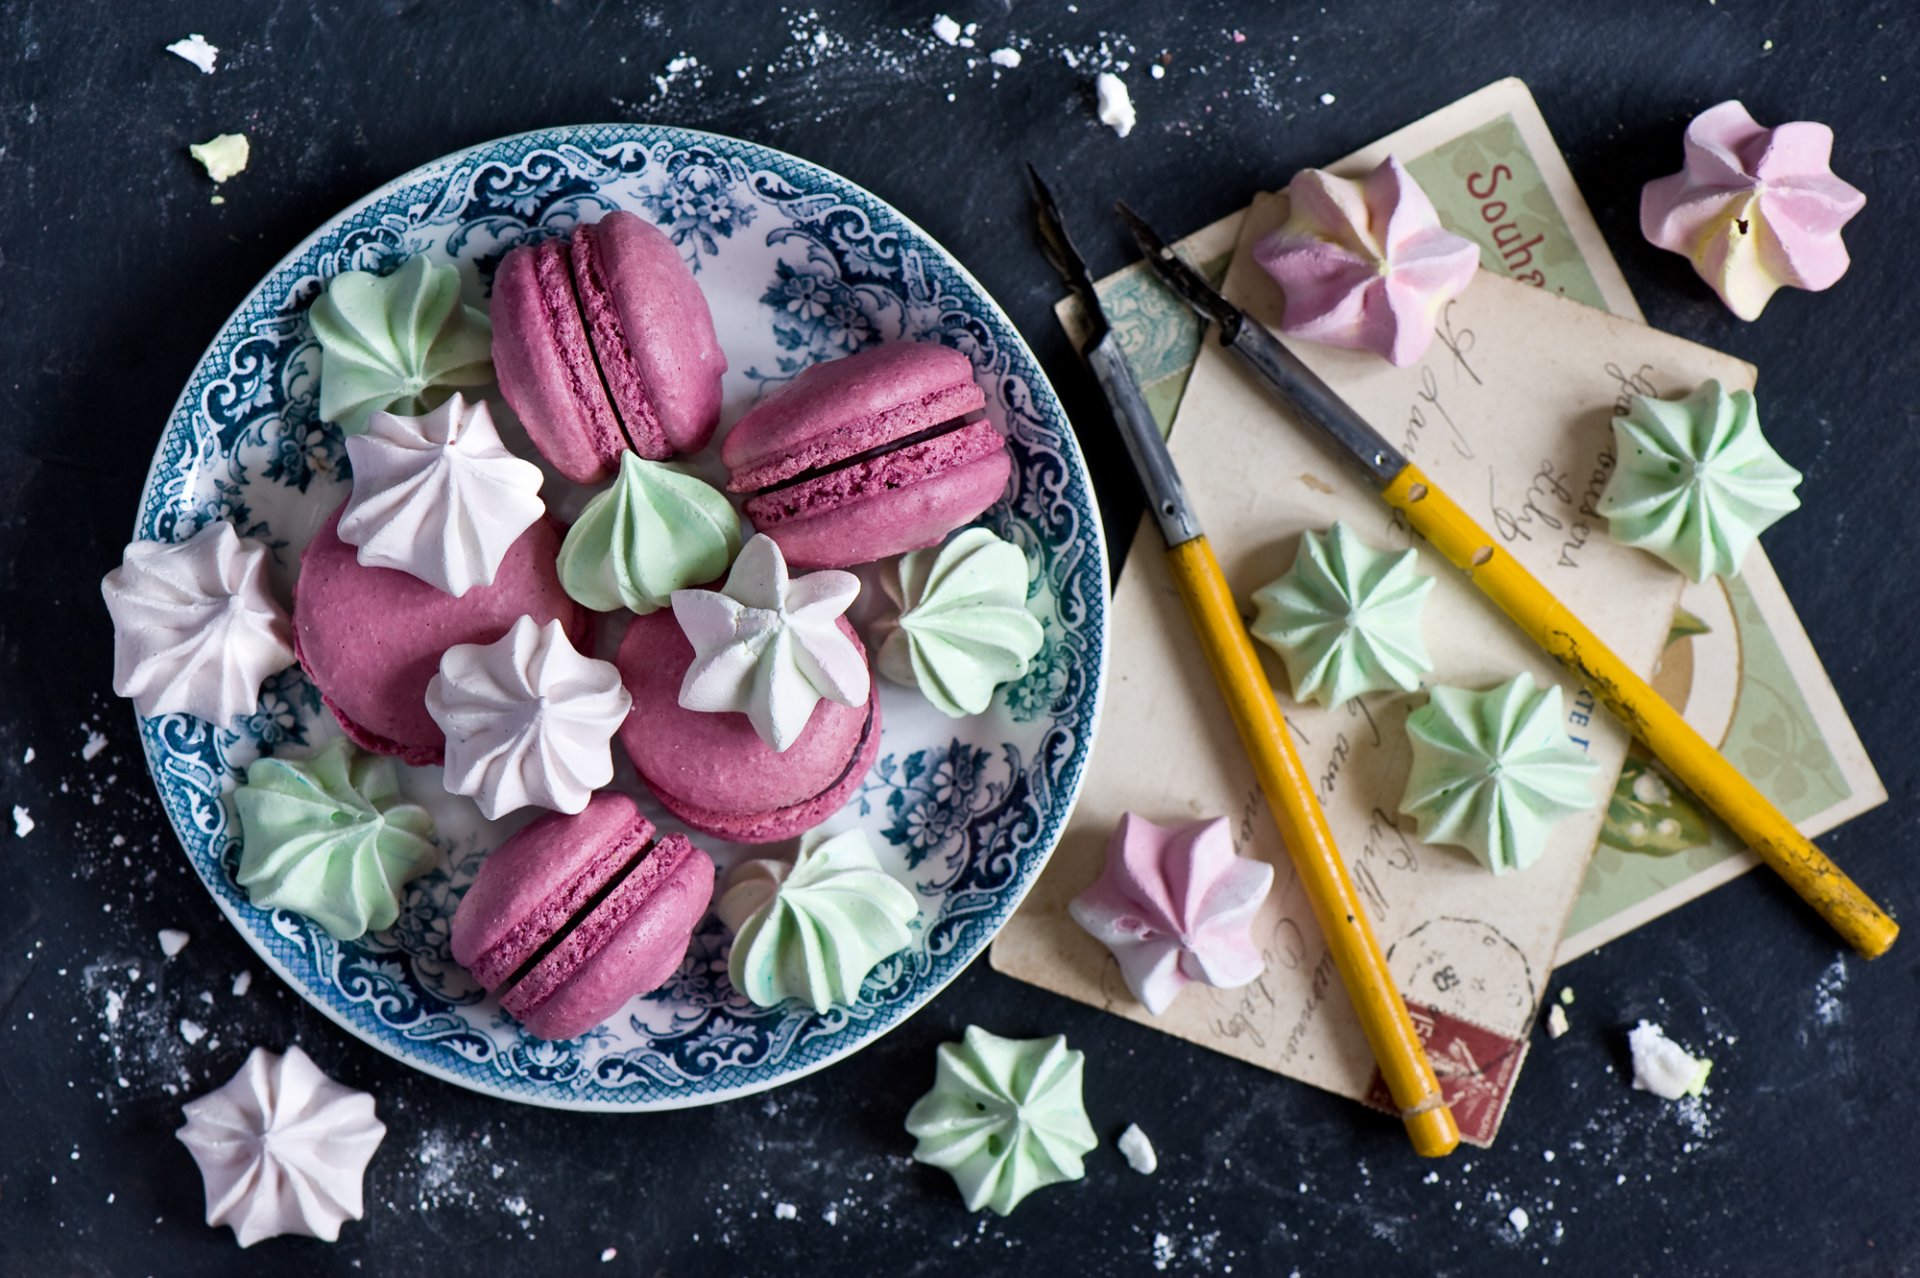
(1510, 413)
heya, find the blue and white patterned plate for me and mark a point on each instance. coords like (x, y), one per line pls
(799, 265)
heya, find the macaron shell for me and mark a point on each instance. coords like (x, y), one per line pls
(716, 765)
(545, 364)
(844, 406)
(371, 638)
(641, 295)
(900, 501)
(630, 944)
(787, 822)
(533, 883)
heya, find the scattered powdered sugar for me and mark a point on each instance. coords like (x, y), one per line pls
(28, 756)
(1828, 1009)
(22, 822)
(1326, 99)
(785, 1211)
(172, 941)
(1162, 1251)
(1004, 57)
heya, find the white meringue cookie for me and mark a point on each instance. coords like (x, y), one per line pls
(529, 721)
(282, 1148)
(195, 629)
(771, 647)
(438, 496)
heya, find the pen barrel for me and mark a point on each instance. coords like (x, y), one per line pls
(1686, 754)
(1303, 827)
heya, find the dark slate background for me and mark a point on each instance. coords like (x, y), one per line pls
(115, 271)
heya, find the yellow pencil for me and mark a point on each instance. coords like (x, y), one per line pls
(1455, 534)
(1263, 731)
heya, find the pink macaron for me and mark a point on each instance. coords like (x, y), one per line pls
(712, 770)
(371, 638)
(574, 915)
(859, 458)
(605, 343)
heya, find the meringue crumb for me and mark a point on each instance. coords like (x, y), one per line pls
(1556, 1021)
(1519, 1219)
(222, 156)
(1138, 1150)
(22, 822)
(242, 983)
(28, 756)
(96, 742)
(192, 1031)
(172, 941)
(1566, 995)
(1326, 99)
(1663, 1067)
(196, 50)
(1113, 104)
(785, 1211)
(606, 1257)
(1004, 57)
(946, 29)
(1157, 71)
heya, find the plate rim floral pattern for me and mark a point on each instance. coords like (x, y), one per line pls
(188, 760)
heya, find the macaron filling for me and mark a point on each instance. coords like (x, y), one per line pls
(620, 376)
(566, 319)
(598, 919)
(537, 956)
(883, 468)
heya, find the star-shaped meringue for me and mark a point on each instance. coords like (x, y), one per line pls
(283, 1148)
(1005, 1117)
(1754, 209)
(1695, 481)
(195, 628)
(1365, 264)
(529, 721)
(1493, 771)
(438, 496)
(1346, 618)
(770, 646)
(1176, 905)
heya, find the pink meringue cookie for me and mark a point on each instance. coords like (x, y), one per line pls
(1365, 264)
(1176, 905)
(1754, 209)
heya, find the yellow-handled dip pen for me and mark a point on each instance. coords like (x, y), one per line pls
(1451, 531)
(1243, 681)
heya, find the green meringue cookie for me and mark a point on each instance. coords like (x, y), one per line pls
(1695, 482)
(328, 837)
(1493, 771)
(400, 342)
(1004, 1117)
(1346, 618)
(964, 627)
(814, 929)
(655, 531)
